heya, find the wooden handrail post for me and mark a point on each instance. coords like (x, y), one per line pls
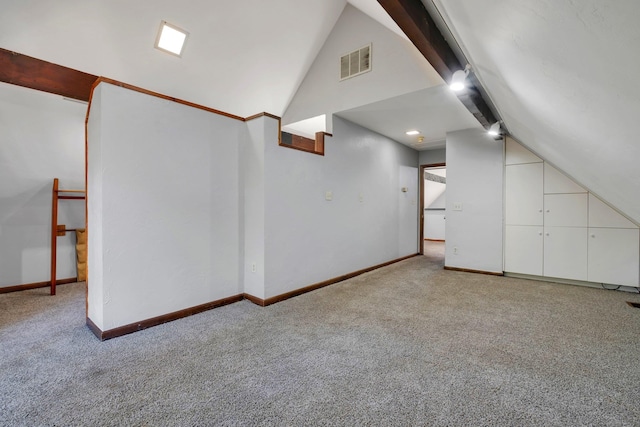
(54, 234)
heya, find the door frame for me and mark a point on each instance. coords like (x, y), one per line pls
(421, 186)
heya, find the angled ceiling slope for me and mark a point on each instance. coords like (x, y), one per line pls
(563, 77)
(397, 68)
(420, 26)
(241, 57)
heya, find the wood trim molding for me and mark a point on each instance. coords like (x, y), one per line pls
(300, 291)
(26, 287)
(416, 22)
(96, 331)
(155, 321)
(263, 114)
(148, 323)
(166, 97)
(255, 300)
(467, 270)
(33, 73)
(319, 141)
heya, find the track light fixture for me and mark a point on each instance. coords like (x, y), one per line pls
(458, 80)
(494, 130)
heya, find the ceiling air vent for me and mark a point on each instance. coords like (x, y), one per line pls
(355, 63)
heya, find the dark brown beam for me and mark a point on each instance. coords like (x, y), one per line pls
(415, 21)
(36, 74)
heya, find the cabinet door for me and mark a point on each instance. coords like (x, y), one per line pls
(565, 252)
(557, 182)
(523, 194)
(602, 215)
(523, 249)
(565, 210)
(614, 256)
(517, 154)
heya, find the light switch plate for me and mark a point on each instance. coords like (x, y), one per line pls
(457, 206)
(328, 195)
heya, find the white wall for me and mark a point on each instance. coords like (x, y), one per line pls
(41, 138)
(474, 180)
(168, 182)
(183, 203)
(253, 145)
(397, 67)
(430, 157)
(435, 192)
(309, 239)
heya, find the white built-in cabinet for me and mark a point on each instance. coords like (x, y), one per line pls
(556, 228)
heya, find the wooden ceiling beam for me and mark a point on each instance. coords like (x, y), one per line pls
(36, 74)
(414, 20)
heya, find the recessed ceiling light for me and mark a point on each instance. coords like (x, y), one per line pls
(413, 132)
(171, 39)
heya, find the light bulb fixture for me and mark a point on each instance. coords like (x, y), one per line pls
(494, 130)
(412, 132)
(458, 80)
(171, 39)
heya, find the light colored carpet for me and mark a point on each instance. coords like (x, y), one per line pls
(410, 344)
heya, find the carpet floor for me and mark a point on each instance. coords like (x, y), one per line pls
(406, 345)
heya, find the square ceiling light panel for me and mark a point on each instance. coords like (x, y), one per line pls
(171, 39)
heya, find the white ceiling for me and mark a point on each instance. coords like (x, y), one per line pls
(433, 111)
(563, 75)
(242, 57)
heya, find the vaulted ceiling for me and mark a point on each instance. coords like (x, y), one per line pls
(560, 74)
(242, 57)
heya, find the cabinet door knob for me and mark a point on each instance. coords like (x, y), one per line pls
(547, 234)
(548, 210)
(539, 210)
(540, 233)
(593, 235)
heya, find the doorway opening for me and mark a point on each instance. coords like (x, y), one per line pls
(433, 184)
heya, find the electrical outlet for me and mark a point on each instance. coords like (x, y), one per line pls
(253, 267)
(455, 250)
(328, 195)
(361, 198)
(457, 206)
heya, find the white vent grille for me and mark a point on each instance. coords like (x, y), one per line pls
(355, 63)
